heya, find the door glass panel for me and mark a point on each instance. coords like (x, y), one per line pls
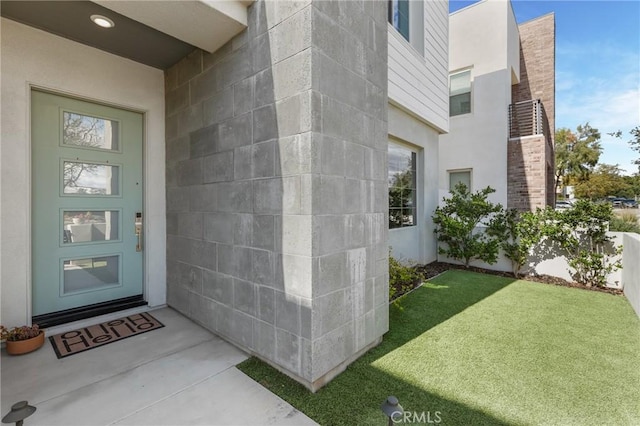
(89, 132)
(90, 273)
(90, 179)
(89, 226)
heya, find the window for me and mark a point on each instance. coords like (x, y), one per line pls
(399, 16)
(402, 186)
(460, 176)
(460, 93)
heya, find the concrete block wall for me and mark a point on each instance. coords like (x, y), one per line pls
(537, 81)
(276, 185)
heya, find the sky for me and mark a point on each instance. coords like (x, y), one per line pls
(597, 67)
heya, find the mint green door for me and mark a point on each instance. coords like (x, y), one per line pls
(86, 203)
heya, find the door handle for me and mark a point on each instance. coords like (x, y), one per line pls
(138, 230)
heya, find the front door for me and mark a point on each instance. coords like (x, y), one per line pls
(86, 205)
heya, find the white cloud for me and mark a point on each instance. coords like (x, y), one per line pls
(608, 104)
(608, 108)
(565, 81)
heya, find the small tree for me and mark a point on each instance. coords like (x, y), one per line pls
(581, 232)
(576, 154)
(634, 143)
(457, 222)
(606, 180)
(517, 234)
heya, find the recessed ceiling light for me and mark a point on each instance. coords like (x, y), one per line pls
(102, 21)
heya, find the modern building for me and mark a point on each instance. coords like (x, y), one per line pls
(502, 105)
(225, 158)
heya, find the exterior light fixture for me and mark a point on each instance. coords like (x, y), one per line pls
(19, 411)
(102, 21)
(392, 409)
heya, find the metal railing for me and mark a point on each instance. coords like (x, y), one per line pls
(528, 118)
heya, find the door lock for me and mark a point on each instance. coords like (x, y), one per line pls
(138, 229)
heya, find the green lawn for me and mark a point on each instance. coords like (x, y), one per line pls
(481, 349)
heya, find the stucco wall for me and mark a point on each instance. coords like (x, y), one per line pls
(482, 39)
(631, 269)
(545, 260)
(31, 57)
(478, 140)
(417, 244)
(479, 36)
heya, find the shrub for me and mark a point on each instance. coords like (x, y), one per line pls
(401, 278)
(581, 232)
(457, 222)
(517, 234)
(626, 222)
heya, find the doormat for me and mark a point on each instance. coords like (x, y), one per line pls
(83, 339)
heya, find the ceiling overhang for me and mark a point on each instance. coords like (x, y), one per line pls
(207, 24)
(153, 32)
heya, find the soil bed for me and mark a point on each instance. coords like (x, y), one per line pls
(436, 268)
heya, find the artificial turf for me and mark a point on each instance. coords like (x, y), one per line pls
(471, 349)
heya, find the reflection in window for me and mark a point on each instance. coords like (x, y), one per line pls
(463, 177)
(91, 273)
(399, 16)
(90, 178)
(460, 93)
(89, 132)
(88, 226)
(402, 186)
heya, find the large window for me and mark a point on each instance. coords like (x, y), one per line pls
(399, 16)
(460, 93)
(402, 186)
(456, 177)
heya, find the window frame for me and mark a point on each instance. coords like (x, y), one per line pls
(454, 171)
(469, 92)
(413, 203)
(394, 6)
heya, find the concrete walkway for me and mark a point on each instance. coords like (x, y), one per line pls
(178, 375)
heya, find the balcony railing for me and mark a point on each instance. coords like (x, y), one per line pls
(528, 118)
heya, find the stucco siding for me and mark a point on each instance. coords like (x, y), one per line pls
(631, 269)
(417, 243)
(483, 39)
(478, 140)
(478, 36)
(513, 46)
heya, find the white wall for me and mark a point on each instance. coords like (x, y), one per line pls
(31, 57)
(513, 46)
(478, 35)
(631, 269)
(484, 39)
(559, 267)
(555, 263)
(417, 243)
(418, 81)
